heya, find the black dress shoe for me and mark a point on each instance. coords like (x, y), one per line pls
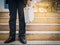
(9, 40)
(22, 39)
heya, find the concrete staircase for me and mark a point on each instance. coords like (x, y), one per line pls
(44, 28)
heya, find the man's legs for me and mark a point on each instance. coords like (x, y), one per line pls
(12, 21)
(22, 24)
(21, 21)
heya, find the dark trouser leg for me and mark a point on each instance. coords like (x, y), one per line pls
(12, 21)
(21, 19)
(22, 25)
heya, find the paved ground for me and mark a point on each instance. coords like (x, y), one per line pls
(27, 44)
(31, 43)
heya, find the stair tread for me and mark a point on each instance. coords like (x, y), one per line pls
(36, 20)
(33, 28)
(39, 37)
(34, 43)
(36, 14)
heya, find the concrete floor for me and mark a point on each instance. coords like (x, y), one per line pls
(31, 43)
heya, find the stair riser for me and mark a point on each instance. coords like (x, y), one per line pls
(47, 20)
(7, 28)
(4, 14)
(5, 20)
(33, 28)
(37, 14)
(36, 20)
(35, 37)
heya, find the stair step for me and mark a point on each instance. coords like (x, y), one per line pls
(36, 20)
(47, 20)
(6, 27)
(51, 37)
(4, 14)
(33, 28)
(34, 24)
(5, 20)
(33, 43)
(36, 14)
(34, 32)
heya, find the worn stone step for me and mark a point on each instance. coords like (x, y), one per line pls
(5, 20)
(32, 43)
(36, 14)
(47, 20)
(36, 20)
(51, 37)
(4, 14)
(33, 28)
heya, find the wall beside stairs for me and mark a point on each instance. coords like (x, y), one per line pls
(45, 26)
(1, 4)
